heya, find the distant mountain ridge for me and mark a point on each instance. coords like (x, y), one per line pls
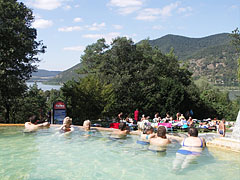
(43, 75)
(185, 47)
(66, 75)
(212, 57)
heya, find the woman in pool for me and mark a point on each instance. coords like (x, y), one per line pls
(161, 141)
(146, 135)
(192, 147)
(121, 132)
(66, 127)
(87, 125)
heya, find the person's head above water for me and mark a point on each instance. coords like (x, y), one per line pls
(148, 130)
(33, 119)
(67, 120)
(122, 126)
(161, 132)
(193, 132)
(87, 124)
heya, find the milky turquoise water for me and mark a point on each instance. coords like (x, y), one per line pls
(50, 155)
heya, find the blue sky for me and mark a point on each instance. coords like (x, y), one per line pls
(68, 26)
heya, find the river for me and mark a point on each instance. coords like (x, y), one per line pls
(44, 87)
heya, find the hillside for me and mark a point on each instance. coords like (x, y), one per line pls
(43, 75)
(66, 75)
(212, 57)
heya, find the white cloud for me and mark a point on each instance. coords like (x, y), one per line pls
(127, 10)
(67, 7)
(184, 10)
(96, 27)
(78, 19)
(125, 3)
(125, 7)
(46, 4)
(150, 14)
(108, 37)
(74, 48)
(117, 26)
(42, 23)
(158, 27)
(77, 6)
(70, 29)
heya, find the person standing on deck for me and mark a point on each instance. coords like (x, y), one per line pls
(136, 114)
(222, 128)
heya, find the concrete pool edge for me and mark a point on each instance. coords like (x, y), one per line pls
(81, 127)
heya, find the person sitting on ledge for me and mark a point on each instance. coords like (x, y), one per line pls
(121, 132)
(161, 141)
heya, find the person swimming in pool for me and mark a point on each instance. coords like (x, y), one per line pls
(121, 132)
(192, 146)
(67, 125)
(161, 141)
(146, 135)
(87, 125)
(33, 125)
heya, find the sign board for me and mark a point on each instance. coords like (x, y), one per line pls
(59, 112)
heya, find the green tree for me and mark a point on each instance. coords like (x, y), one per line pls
(33, 102)
(236, 41)
(87, 98)
(141, 76)
(18, 50)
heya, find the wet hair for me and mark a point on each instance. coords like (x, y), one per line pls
(67, 120)
(87, 123)
(193, 132)
(122, 126)
(161, 132)
(33, 119)
(147, 128)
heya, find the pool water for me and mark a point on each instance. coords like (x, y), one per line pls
(50, 155)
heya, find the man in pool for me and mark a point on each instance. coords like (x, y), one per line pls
(121, 132)
(192, 147)
(161, 141)
(32, 124)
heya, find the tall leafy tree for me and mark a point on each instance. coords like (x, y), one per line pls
(141, 76)
(18, 50)
(236, 41)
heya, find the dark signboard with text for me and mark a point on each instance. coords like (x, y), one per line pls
(59, 112)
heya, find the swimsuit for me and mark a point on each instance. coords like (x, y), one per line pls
(221, 132)
(142, 142)
(193, 146)
(187, 152)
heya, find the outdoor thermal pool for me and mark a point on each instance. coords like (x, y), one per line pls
(50, 155)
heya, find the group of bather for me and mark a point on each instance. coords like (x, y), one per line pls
(191, 146)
